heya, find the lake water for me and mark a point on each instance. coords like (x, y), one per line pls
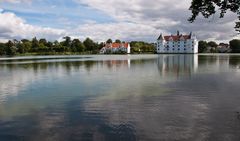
(120, 98)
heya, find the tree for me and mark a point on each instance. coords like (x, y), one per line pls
(202, 46)
(67, 42)
(2, 49)
(109, 41)
(25, 40)
(235, 45)
(208, 8)
(27, 46)
(77, 46)
(10, 48)
(35, 43)
(89, 44)
(139, 46)
(101, 45)
(20, 48)
(212, 44)
(117, 41)
(49, 44)
(43, 41)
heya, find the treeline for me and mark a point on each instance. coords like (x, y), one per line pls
(42, 46)
(67, 46)
(142, 47)
(213, 47)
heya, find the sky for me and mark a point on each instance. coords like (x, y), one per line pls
(127, 20)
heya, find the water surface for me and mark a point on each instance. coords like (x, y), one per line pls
(120, 98)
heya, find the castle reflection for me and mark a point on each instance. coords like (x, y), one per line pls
(175, 65)
(107, 98)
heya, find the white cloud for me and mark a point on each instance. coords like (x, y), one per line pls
(133, 20)
(15, 27)
(122, 30)
(163, 15)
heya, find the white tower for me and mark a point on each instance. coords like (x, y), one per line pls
(160, 44)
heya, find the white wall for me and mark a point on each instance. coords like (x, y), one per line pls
(184, 46)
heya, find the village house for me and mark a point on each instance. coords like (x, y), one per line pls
(177, 44)
(116, 48)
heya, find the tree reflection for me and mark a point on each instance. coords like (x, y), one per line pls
(234, 61)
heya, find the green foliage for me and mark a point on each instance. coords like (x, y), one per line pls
(90, 45)
(43, 42)
(202, 46)
(235, 45)
(35, 43)
(101, 45)
(208, 7)
(109, 41)
(44, 47)
(212, 44)
(67, 42)
(77, 46)
(24, 40)
(117, 41)
(2, 49)
(10, 48)
(142, 47)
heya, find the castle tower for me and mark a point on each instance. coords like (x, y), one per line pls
(160, 44)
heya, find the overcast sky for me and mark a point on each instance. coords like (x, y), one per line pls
(102, 19)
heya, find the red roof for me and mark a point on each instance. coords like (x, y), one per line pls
(177, 37)
(117, 45)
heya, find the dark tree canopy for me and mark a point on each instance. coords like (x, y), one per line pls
(109, 41)
(235, 45)
(67, 41)
(209, 7)
(202, 46)
(117, 41)
(212, 44)
(89, 44)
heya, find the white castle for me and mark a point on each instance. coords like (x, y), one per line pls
(177, 44)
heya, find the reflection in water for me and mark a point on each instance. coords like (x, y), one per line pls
(177, 64)
(128, 98)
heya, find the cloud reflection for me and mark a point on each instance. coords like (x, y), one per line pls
(159, 97)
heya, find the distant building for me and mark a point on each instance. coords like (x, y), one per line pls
(177, 44)
(223, 48)
(116, 48)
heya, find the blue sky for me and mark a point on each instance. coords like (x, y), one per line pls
(56, 13)
(99, 19)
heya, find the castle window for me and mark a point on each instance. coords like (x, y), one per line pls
(185, 49)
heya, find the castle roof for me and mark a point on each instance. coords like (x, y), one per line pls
(177, 37)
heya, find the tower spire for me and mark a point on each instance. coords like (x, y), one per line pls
(160, 37)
